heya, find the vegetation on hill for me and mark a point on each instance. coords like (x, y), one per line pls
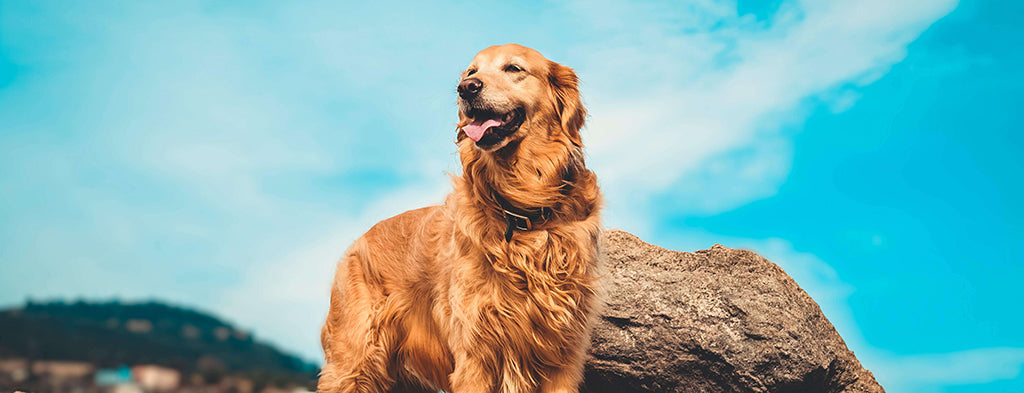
(111, 334)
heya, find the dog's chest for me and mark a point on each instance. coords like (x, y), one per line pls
(542, 294)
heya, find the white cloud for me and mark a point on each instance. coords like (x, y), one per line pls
(667, 107)
(897, 373)
(928, 373)
(287, 297)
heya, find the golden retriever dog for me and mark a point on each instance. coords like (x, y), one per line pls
(494, 290)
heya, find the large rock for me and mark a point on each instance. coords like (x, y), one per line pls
(718, 320)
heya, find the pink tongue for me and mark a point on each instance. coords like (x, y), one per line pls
(477, 128)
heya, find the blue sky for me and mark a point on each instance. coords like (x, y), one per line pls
(223, 156)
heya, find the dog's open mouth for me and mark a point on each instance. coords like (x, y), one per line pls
(489, 127)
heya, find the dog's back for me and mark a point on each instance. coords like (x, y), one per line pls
(380, 312)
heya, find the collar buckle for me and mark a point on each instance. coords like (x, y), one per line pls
(518, 221)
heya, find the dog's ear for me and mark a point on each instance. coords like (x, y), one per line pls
(565, 86)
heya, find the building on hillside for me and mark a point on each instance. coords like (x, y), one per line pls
(140, 326)
(13, 370)
(116, 380)
(59, 370)
(56, 376)
(236, 384)
(153, 378)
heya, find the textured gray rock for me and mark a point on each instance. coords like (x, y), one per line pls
(718, 320)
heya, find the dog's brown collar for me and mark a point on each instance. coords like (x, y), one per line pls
(516, 218)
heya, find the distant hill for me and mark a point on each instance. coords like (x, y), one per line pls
(112, 333)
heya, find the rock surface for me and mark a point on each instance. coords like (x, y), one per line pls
(718, 320)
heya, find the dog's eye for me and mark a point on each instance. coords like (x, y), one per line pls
(471, 71)
(512, 68)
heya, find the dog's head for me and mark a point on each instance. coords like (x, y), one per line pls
(511, 92)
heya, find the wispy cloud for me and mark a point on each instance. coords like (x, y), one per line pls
(689, 106)
(290, 294)
(930, 373)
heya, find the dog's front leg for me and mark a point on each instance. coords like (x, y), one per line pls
(471, 375)
(568, 377)
(563, 380)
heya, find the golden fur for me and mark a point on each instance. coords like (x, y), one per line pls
(436, 299)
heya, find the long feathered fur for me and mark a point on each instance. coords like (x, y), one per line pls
(436, 299)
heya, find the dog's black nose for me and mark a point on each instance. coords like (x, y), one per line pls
(470, 87)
